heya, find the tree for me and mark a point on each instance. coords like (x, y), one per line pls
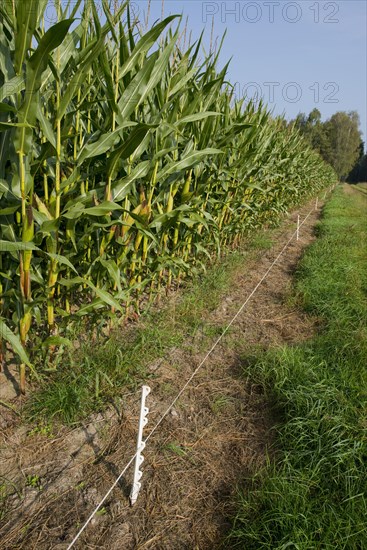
(359, 171)
(313, 130)
(344, 137)
(337, 140)
(314, 117)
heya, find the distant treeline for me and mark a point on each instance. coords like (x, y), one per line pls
(338, 140)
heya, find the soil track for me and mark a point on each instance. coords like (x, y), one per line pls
(214, 439)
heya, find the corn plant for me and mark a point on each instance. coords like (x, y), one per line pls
(125, 163)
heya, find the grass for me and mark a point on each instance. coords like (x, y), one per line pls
(313, 495)
(104, 368)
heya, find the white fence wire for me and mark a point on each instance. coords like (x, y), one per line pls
(295, 234)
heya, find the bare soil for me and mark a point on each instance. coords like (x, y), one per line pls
(218, 434)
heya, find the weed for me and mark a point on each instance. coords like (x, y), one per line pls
(42, 429)
(34, 481)
(262, 241)
(221, 403)
(176, 448)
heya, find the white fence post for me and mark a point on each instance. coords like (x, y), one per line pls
(139, 459)
(298, 227)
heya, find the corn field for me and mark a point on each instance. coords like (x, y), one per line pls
(125, 162)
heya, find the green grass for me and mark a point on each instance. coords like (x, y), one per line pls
(100, 371)
(313, 495)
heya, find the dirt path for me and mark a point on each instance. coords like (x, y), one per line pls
(214, 438)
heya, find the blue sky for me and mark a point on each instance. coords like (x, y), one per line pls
(297, 55)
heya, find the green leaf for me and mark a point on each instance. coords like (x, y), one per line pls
(103, 144)
(68, 283)
(160, 66)
(128, 147)
(195, 117)
(122, 187)
(186, 162)
(14, 341)
(9, 210)
(113, 271)
(144, 45)
(79, 76)
(26, 24)
(56, 341)
(62, 260)
(6, 108)
(36, 65)
(46, 126)
(13, 87)
(65, 51)
(182, 82)
(104, 296)
(4, 126)
(136, 91)
(8, 246)
(104, 208)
